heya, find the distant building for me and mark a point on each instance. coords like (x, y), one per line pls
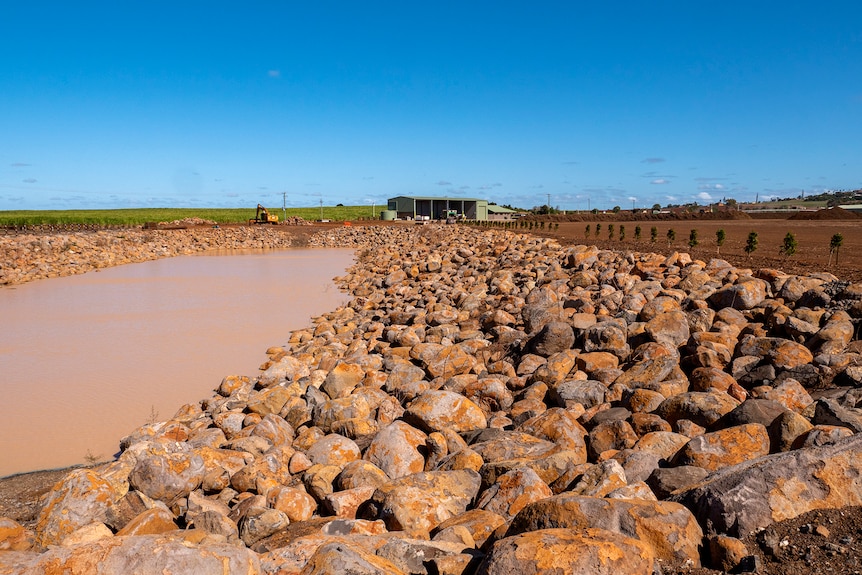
(436, 208)
(496, 212)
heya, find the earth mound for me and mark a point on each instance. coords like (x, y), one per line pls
(835, 213)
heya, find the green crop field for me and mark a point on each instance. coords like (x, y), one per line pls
(137, 217)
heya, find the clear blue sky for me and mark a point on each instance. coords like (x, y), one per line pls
(227, 104)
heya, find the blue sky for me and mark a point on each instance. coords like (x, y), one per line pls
(588, 104)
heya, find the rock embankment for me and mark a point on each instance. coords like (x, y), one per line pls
(492, 403)
(28, 257)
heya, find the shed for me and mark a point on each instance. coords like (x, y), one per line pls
(435, 208)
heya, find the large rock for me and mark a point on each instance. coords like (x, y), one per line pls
(418, 503)
(754, 494)
(668, 529)
(782, 353)
(81, 498)
(162, 554)
(702, 407)
(512, 491)
(395, 450)
(437, 410)
(167, 476)
(593, 551)
(554, 337)
(746, 294)
(725, 447)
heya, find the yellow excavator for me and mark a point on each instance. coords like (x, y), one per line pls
(262, 216)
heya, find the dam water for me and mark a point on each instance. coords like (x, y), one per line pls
(87, 359)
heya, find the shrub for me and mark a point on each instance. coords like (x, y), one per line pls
(788, 246)
(834, 246)
(751, 243)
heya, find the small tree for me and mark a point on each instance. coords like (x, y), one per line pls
(671, 236)
(692, 238)
(653, 234)
(616, 209)
(719, 240)
(834, 247)
(598, 229)
(610, 231)
(788, 246)
(622, 233)
(751, 243)
(637, 233)
(587, 231)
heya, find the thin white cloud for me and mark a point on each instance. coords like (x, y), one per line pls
(704, 196)
(714, 187)
(652, 160)
(444, 183)
(660, 181)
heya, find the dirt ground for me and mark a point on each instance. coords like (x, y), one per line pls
(812, 237)
(829, 541)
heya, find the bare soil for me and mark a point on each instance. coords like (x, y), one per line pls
(812, 237)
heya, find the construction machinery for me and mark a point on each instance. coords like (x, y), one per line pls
(262, 216)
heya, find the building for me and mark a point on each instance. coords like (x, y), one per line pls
(434, 208)
(502, 214)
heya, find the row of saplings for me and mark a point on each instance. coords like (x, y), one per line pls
(515, 224)
(787, 248)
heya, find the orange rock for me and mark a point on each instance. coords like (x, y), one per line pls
(150, 522)
(668, 530)
(725, 447)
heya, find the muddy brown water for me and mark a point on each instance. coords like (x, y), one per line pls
(85, 360)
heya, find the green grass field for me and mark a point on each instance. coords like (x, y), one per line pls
(137, 217)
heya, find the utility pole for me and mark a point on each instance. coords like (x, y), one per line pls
(549, 203)
(284, 205)
(321, 208)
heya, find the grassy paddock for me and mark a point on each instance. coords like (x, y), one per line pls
(137, 217)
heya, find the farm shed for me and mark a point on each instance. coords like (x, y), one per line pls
(435, 208)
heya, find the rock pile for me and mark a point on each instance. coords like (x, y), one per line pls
(28, 257)
(491, 403)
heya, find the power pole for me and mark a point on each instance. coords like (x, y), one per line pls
(284, 204)
(549, 203)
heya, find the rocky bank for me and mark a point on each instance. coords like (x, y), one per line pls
(28, 257)
(492, 403)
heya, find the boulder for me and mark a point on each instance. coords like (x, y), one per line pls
(80, 498)
(595, 551)
(754, 494)
(439, 409)
(395, 450)
(668, 529)
(725, 447)
(418, 503)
